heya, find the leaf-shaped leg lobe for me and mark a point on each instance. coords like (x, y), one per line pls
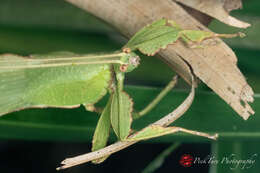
(101, 133)
(121, 114)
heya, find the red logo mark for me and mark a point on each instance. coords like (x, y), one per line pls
(186, 160)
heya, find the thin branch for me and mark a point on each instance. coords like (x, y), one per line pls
(158, 98)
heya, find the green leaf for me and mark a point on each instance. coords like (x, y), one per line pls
(154, 37)
(101, 133)
(59, 86)
(121, 114)
(237, 156)
(156, 163)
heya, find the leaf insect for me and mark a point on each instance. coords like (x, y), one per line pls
(66, 80)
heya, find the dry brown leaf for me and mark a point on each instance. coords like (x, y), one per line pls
(230, 5)
(218, 9)
(215, 65)
(201, 17)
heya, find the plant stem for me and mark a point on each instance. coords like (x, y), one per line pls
(158, 98)
(158, 161)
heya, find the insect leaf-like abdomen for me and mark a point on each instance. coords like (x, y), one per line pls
(59, 86)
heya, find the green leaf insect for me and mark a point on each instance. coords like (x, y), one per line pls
(56, 80)
(121, 116)
(101, 133)
(153, 131)
(161, 33)
(67, 80)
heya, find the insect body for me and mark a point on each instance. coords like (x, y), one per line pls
(56, 80)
